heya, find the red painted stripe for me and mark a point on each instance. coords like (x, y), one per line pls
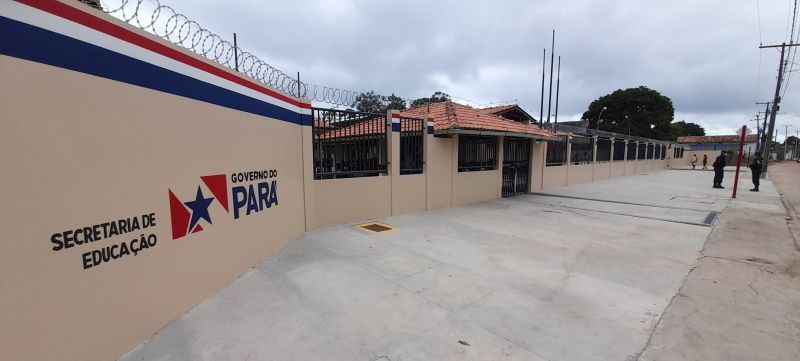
(70, 13)
(395, 115)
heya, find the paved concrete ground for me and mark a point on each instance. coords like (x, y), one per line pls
(584, 273)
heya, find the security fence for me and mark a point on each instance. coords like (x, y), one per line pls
(556, 152)
(348, 144)
(650, 151)
(477, 153)
(603, 150)
(632, 151)
(642, 151)
(412, 133)
(582, 150)
(619, 150)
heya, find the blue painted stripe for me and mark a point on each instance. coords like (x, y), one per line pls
(430, 129)
(395, 127)
(43, 46)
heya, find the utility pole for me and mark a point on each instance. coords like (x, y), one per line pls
(558, 87)
(763, 136)
(758, 131)
(777, 98)
(550, 96)
(541, 101)
(785, 139)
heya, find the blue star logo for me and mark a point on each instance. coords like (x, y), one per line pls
(199, 207)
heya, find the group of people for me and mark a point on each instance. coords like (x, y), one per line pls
(719, 168)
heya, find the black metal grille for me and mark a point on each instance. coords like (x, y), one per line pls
(631, 151)
(477, 153)
(516, 155)
(651, 151)
(412, 131)
(603, 150)
(581, 150)
(619, 150)
(642, 151)
(348, 144)
(663, 152)
(556, 152)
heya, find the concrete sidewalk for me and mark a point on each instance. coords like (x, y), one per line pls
(584, 273)
(742, 300)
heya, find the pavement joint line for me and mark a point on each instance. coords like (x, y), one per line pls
(613, 201)
(636, 216)
(643, 217)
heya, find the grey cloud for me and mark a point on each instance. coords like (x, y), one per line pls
(702, 54)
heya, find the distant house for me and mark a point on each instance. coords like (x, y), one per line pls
(719, 143)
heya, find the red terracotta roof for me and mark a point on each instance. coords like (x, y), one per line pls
(449, 115)
(376, 125)
(498, 109)
(694, 139)
(371, 126)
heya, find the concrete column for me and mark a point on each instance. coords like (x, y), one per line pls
(568, 160)
(393, 147)
(500, 146)
(611, 153)
(454, 176)
(537, 164)
(426, 143)
(625, 154)
(594, 158)
(308, 177)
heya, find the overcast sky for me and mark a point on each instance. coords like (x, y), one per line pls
(703, 54)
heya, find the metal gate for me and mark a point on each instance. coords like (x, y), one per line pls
(516, 158)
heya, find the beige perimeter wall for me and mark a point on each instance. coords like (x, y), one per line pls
(79, 151)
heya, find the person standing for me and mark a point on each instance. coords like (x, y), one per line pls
(694, 160)
(705, 161)
(755, 168)
(719, 170)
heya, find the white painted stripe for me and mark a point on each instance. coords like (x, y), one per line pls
(45, 20)
(430, 124)
(395, 120)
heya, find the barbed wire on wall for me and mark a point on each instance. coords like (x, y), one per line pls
(164, 21)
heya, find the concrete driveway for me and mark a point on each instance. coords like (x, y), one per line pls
(581, 274)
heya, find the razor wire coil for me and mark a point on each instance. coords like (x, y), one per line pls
(167, 23)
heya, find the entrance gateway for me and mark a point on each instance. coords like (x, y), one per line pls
(516, 165)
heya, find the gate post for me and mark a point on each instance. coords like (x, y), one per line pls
(393, 138)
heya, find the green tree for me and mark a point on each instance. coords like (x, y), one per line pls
(638, 111)
(683, 128)
(369, 102)
(395, 102)
(437, 97)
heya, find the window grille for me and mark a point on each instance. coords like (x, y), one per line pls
(412, 132)
(556, 152)
(477, 153)
(348, 144)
